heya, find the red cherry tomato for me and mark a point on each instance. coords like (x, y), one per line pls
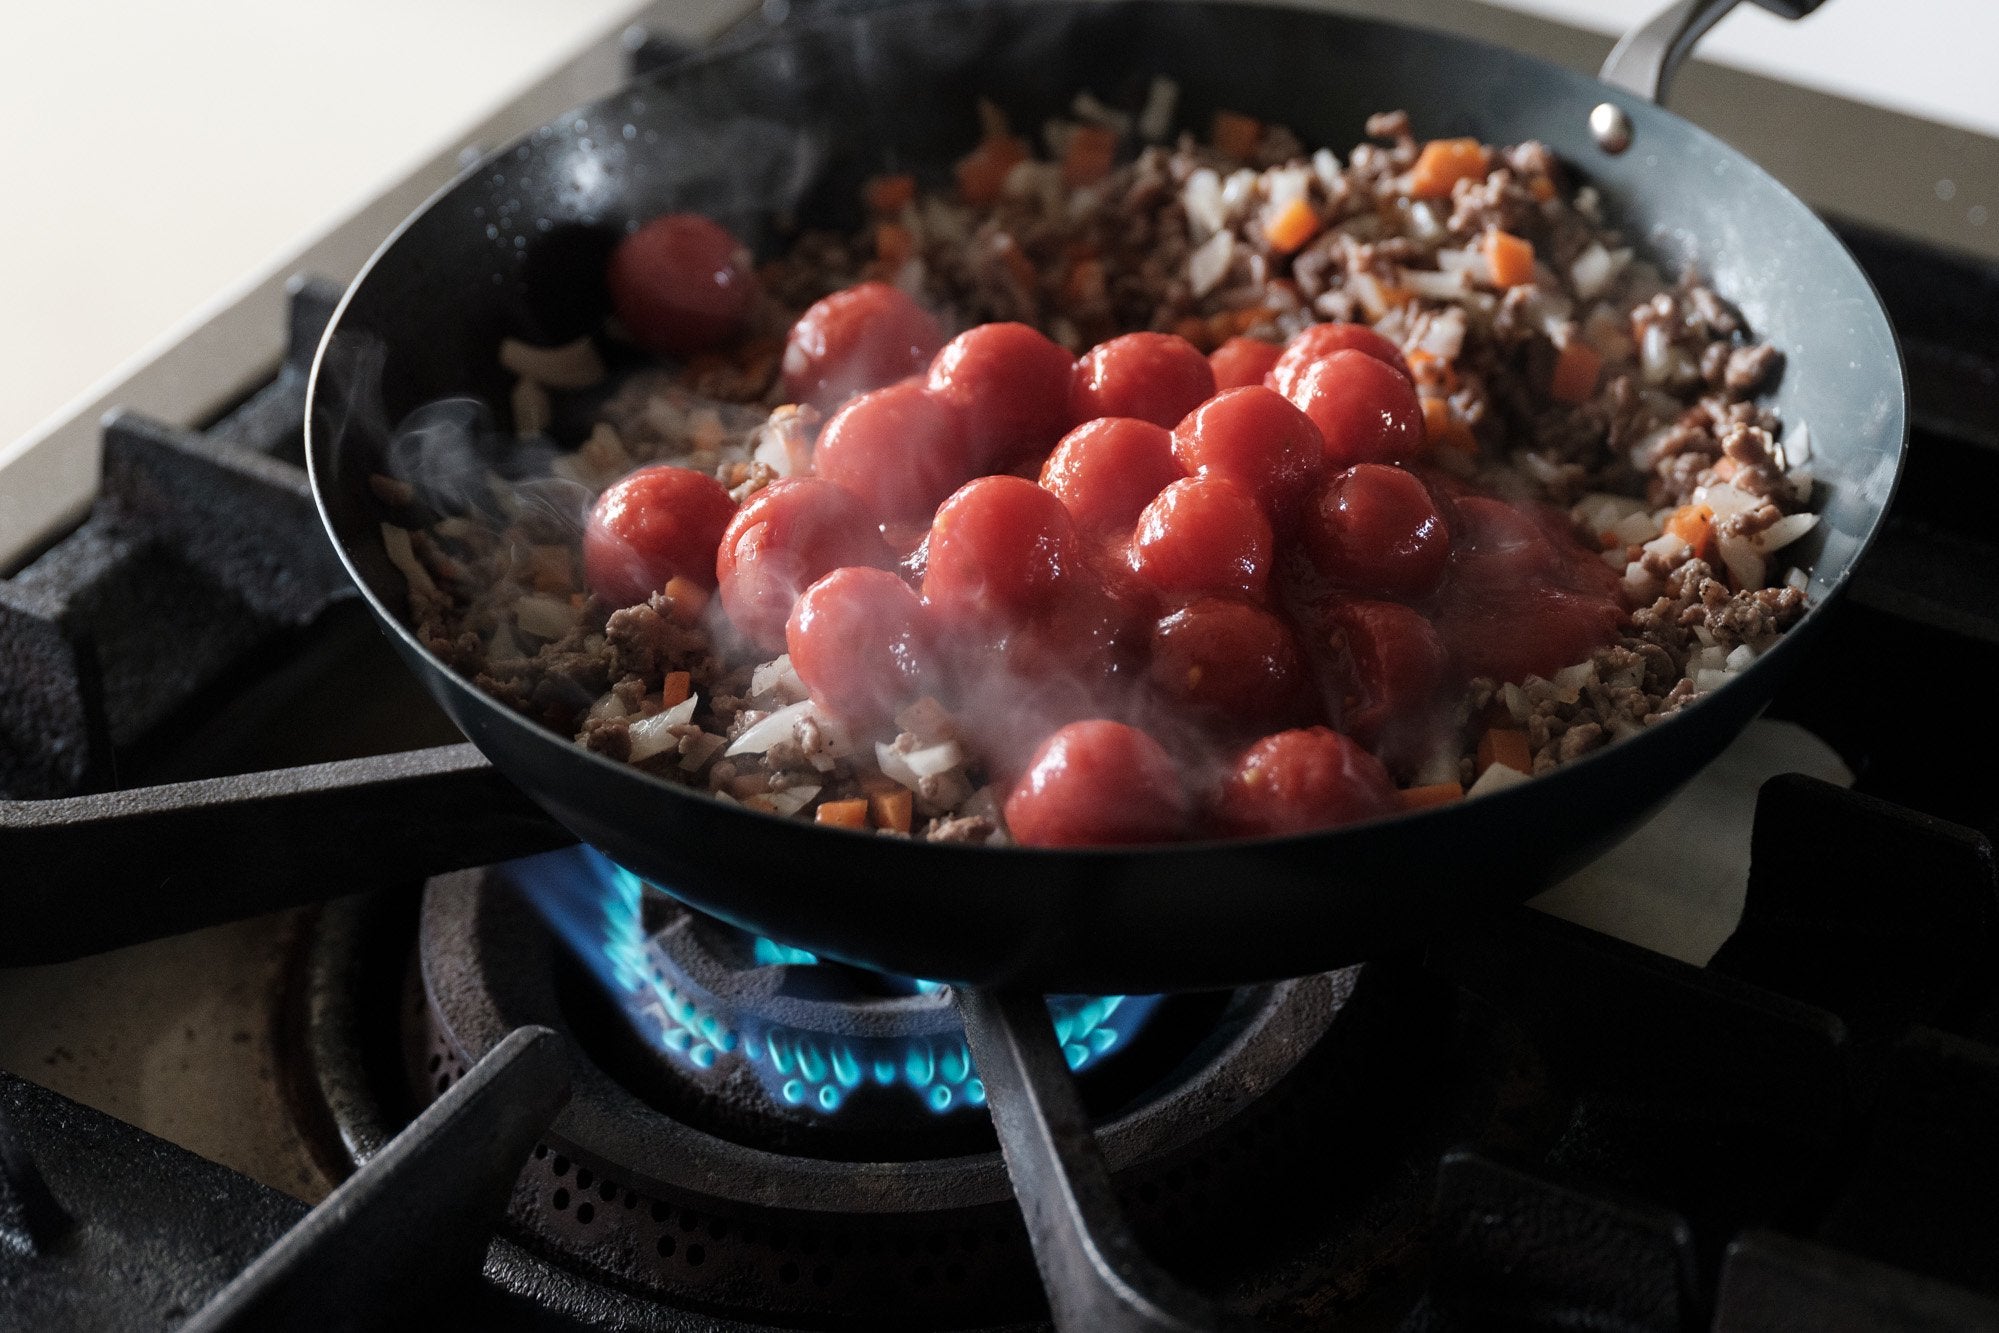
(1396, 663)
(1374, 528)
(1320, 341)
(1203, 535)
(1235, 662)
(998, 550)
(1154, 377)
(1097, 782)
(857, 339)
(1253, 437)
(654, 524)
(1366, 410)
(1010, 385)
(1107, 470)
(1299, 781)
(900, 450)
(785, 538)
(1499, 545)
(859, 642)
(680, 284)
(1241, 361)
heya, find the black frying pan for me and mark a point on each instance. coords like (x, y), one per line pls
(792, 125)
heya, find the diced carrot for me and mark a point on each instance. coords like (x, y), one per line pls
(1294, 225)
(675, 688)
(894, 244)
(983, 172)
(685, 599)
(1576, 368)
(1427, 368)
(1541, 188)
(1607, 540)
(844, 814)
(1087, 157)
(1694, 525)
(893, 809)
(890, 194)
(1443, 430)
(1510, 258)
(1443, 163)
(1194, 331)
(1236, 134)
(1504, 745)
(1724, 468)
(1436, 793)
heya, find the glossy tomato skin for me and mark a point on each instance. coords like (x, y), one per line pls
(1255, 438)
(859, 338)
(861, 644)
(680, 284)
(1376, 530)
(899, 450)
(1203, 535)
(784, 539)
(1156, 377)
(1234, 663)
(1010, 386)
(998, 550)
(1320, 341)
(1366, 411)
(656, 523)
(1096, 783)
(1241, 361)
(1397, 665)
(1300, 782)
(1106, 471)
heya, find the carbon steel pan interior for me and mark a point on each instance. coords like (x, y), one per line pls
(789, 128)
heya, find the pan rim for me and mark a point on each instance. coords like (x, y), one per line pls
(1573, 772)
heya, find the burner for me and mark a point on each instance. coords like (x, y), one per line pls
(1215, 1117)
(763, 1042)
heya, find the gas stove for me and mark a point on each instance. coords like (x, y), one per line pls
(307, 1019)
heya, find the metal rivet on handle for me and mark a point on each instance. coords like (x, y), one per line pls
(1610, 127)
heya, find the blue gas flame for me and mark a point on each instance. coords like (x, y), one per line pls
(594, 905)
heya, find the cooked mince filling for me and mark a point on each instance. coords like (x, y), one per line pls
(1258, 491)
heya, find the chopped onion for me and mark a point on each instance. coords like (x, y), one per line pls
(1201, 196)
(1282, 185)
(1725, 500)
(607, 708)
(1444, 334)
(403, 556)
(573, 365)
(1636, 529)
(1326, 167)
(781, 725)
(1440, 285)
(1497, 777)
(910, 768)
(1517, 703)
(654, 735)
(792, 799)
(1155, 119)
(700, 747)
(1798, 579)
(1784, 531)
(543, 616)
(777, 677)
(1744, 560)
(1798, 445)
(1741, 657)
(1237, 189)
(1087, 108)
(1208, 264)
(1708, 679)
(1655, 354)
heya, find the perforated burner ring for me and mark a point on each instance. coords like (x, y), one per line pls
(648, 1201)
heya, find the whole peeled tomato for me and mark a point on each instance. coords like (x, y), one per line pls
(1397, 665)
(998, 550)
(680, 284)
(857, 339)
(1108, 470)
(900, 450)
(1203, 535)
(1255, 438)
(785, 538)
(1232, 661)
(1241, 361)
(1375, 529)
(1320, 341)
(1010, 386)
(1365, 409)
(860, 644)
(1097, 782)
(656, 523)
(1156, 377)
(1301, 781)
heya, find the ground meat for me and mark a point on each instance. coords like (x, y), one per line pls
(970, 828)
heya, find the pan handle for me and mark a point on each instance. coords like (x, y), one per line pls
(1095, 1275)
(1645, 61)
